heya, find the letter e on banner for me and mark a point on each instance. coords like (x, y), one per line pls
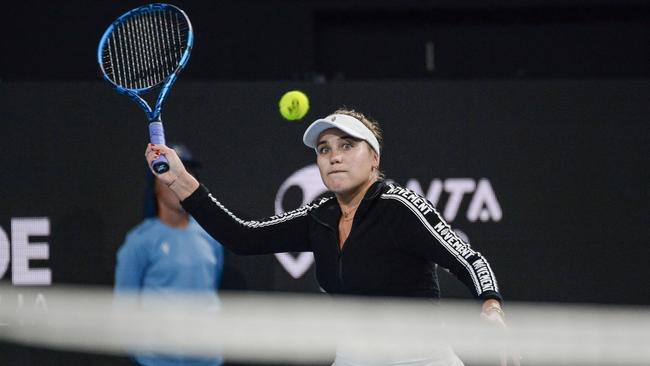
(22, 251)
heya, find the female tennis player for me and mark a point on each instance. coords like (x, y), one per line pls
(369, 237)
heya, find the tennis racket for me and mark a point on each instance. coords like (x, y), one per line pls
(145, 48)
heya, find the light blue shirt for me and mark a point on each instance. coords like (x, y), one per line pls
(163, 261)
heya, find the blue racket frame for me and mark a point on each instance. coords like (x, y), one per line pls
(156, 132)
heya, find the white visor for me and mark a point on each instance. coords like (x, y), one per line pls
(343, 122)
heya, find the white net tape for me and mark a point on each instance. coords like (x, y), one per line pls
(312, 328)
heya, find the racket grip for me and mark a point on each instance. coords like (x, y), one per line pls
(157, 137)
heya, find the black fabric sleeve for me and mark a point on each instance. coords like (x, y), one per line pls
(425, 233)
(287, 232)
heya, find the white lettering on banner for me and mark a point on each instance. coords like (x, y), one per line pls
(483, 205)
(457, 187)
(295, 266)
(22, 251)
(309, 181)
(38, 304)
(484, 196)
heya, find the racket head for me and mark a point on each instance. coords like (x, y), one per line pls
(145, 47)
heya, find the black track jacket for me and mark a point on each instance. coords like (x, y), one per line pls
(397, 238)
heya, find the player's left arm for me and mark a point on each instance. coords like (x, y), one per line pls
(425, 233)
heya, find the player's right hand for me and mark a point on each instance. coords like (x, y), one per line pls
(176, 167)
(177, 178)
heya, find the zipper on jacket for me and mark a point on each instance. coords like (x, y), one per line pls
(339, 261)
(338, 250)
(340, 272)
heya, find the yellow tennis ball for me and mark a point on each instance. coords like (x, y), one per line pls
(294, 105)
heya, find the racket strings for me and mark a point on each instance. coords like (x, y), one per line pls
(145, 49)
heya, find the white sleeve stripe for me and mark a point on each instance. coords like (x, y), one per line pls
(427, 225)
(273, 220)
(491, 275)
(494, 279)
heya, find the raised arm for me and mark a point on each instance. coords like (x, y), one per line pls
(288, 232)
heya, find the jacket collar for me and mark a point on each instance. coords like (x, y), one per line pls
(330, 213)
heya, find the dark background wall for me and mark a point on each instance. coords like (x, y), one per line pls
(336, 39)
(546, 100)
(565, 161)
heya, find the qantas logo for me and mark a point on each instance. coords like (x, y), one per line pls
(309, 182)
(483, 204)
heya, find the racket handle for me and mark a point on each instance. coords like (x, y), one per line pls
(157, 137)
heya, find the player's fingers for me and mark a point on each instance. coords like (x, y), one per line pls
(161, 148)
(148, 151)
(151, 148)
(151, 153)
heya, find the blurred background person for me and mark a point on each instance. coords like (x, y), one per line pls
(169, 255)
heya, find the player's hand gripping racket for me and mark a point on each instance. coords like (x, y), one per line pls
(142, 49)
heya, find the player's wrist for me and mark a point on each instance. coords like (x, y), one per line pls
(183, 185)
(492, 306)
(493, 309)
